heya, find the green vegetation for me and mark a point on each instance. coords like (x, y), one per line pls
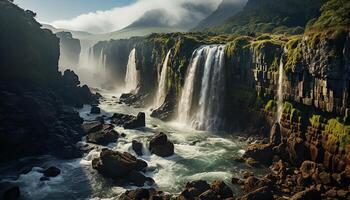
(294, 55)
(337, 133)
(270, 106)
(334, 14)
(315, 121)
(270, 16)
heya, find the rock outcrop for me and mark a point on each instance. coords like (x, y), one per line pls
(129, 121)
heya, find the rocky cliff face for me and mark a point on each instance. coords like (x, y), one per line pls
(70, 49)
(35, 113)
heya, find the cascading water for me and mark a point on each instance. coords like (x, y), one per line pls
(280, 92)
(131, 78)
(208, 109)
(185, 102)
(162, 83)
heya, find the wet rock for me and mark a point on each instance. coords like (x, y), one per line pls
(275, 134)
(95, 110)
(308, 169)
(139, 122)
(252, 163)
(104, 136)
(160, 145)
(260, 152)
(137, 147)
(144, 194)
(195, 188)
(51, 172)
(308, 194)
(120, 166)
(263, 193)
(90, 127)
(137, 178)
(221, 189)
(129, 121)
(12, 193)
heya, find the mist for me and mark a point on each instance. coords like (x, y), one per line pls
(189, 11)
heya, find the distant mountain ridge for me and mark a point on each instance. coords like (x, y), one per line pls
(226, 9)
(277, 16)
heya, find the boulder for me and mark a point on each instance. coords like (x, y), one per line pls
(308, 194)
(221, 189)
(308, 169)
(12, 193)
(129, 121)
(95, 110)
(119, 166)
(104, 136)
(144, 194)
(260, 152)
(160, 145)
(139, 122)
(90, 127)
(195, 188)
(298, 152)
(51, 172)
(263, 193)
(137, 147)
(275, 134)
(137, 178)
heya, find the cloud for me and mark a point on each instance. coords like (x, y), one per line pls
(189, 11)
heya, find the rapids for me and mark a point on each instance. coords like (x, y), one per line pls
(198, 155)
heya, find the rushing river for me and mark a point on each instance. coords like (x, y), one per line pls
(198, 155)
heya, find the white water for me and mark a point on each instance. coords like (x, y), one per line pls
(209, 108)
(131, 77)
(162, 83)
(185, 103)
(280, 92)
(198, 155)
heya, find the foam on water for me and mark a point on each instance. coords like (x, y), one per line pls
(198, 155)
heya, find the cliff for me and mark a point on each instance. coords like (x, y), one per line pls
(36, 116)
(70, 49)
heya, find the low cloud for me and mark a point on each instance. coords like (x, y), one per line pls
(189, 11)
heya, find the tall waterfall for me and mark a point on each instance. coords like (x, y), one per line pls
(162, 83)
(280, 92)
(208, 63)
(131, 78)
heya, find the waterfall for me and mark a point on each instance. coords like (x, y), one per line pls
(131, 79)
(209, 107)
(280, 92)
(162, 83)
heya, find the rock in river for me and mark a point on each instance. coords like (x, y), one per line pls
(122, 167)
(160, 145)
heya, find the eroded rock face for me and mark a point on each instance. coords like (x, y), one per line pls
(160, 145)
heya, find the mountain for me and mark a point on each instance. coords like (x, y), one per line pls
(277, 16)
(226, 9)
(75, 34)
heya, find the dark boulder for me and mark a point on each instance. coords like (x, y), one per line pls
(160, 145)
(221, 189)
(275, 134)
(12, 193)
(138, 122)
(195, 188)
(51, 172)
(90, 127)
(129, 121)
(103, 137)
(260, 152)
(144, 194)
(263, 193)
(120, 166)
(137, 147)
(95, 110)
(308, 194)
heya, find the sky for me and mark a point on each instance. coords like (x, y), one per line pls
(51, 10)
(102, 16)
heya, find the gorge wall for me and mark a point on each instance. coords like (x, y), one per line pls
(315, 85)
(36, 106)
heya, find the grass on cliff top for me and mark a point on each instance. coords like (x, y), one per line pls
(337, 133)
